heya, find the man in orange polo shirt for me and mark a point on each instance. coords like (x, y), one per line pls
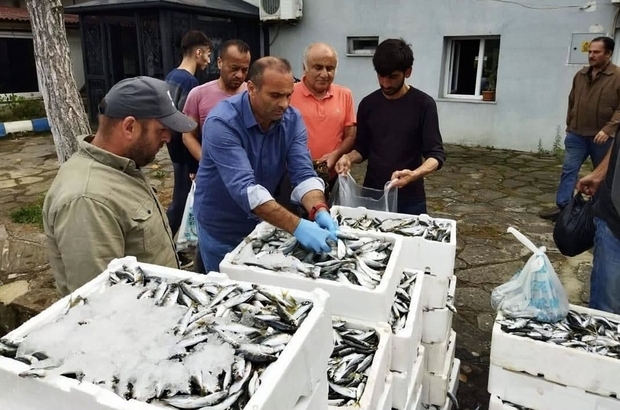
(326, 108)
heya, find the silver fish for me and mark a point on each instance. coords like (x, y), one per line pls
(349, 363)
(354, 260)
(258, 323)
(427, 228)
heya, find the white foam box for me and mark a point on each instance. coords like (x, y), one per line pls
(571, 367)
(495, 403)
(407, 382)
(437, 322)
(436, 290)
(358, 302)
(317, 400)
(300, 366)
(439, 257)
(437, 353)
(538, 393)
(380, 367)
(414, 401)
(385, 401)
(453, 384)
(406, 341)
(437, 385)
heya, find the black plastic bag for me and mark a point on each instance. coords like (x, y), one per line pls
(574, 229)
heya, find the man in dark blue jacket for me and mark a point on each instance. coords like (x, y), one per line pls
(196, 48)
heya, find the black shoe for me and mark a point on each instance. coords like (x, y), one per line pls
(185, 261)
(551, 214)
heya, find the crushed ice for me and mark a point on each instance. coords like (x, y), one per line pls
(115, 339)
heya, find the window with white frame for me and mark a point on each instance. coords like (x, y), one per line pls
(471, 66)
(362, 45)
(18, 73)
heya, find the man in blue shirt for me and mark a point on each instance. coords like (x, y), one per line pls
(247, 143)
(196, 48)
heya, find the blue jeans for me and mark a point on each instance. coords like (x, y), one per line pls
(578, 149)
(605, 278)
(213, 250)
(412, 207)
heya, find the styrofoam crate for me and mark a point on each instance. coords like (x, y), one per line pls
(437, 385)
(300, 366)
(436, 289)
(347, 300)
(437, 353)
(453, 386)
(571, 367)
(414, 401)
(420, 253)
(317, 400)
(380, 366)
(496, 404)
(438, 322)
(385, 401)
(538, 393)
(406, 382)
(436, 325)
(406, 341)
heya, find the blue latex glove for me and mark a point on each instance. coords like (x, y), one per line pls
(325, 221)
(312, 236)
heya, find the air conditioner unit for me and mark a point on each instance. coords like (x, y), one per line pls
(274, 10)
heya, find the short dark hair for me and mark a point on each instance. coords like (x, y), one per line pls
(393, 54)
(255, 74)
(241, 45)
(608, 43)
(194, 39)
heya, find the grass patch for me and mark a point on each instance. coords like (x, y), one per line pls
(160, 174)
(29, 214)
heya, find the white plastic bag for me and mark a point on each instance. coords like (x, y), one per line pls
(348, 193)
(188, 232)
(535, 292)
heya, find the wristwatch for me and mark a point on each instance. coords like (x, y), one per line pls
(316, 208)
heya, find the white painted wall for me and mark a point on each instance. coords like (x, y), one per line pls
(533, 77)
(75, 51)
(73, 38)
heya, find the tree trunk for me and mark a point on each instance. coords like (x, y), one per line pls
(65, 111)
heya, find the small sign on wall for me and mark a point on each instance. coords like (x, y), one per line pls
(578, 52)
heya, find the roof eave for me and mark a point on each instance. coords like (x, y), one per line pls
(80, 9)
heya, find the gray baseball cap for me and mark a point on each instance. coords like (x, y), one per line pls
(145, 98)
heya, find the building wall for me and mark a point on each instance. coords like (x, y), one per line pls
(533, 78)
(8, 28)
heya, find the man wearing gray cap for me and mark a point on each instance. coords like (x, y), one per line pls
(101, 205)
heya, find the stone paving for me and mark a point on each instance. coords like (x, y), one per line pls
(485, 190)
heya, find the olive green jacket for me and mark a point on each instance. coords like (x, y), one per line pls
(101, 207)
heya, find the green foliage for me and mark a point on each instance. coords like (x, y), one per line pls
(29, 214)
(160, 174)
(557, 149)
(16, 108)
(541, 149)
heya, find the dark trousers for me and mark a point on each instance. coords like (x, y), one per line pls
(182, 186)
(199, 267)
